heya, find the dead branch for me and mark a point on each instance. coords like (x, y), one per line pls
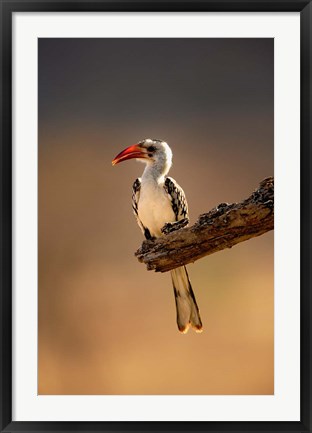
(223, 227)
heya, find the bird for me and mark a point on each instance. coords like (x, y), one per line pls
(158, 200)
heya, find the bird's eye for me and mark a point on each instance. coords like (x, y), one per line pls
(151, 148)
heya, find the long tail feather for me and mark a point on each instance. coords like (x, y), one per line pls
(187, 309)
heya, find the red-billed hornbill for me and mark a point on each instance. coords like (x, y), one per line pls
(156, 201)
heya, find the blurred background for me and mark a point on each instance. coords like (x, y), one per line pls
(106, 324)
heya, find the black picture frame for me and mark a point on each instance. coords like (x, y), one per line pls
(8, 7)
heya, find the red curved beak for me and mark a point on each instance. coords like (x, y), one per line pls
(130, 152)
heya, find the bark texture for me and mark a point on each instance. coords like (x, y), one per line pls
(223, 227)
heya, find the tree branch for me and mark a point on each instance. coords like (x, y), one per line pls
(223, 227)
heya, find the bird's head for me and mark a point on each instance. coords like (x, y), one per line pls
(150, 151)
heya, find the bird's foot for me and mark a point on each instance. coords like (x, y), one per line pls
(172, 227)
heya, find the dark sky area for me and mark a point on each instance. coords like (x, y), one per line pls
(118, 81)
(106, 325)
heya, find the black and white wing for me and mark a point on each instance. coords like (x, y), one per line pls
(177, 197)
(136, 189)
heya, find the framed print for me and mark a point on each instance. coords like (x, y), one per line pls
(150, 136)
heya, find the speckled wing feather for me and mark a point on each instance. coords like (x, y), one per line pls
(136, 188)
(177, 197)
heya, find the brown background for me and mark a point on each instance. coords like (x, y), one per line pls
(106, 325)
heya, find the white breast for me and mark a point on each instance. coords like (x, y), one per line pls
(154, 207)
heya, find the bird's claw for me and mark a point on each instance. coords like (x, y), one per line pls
(172, 227)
